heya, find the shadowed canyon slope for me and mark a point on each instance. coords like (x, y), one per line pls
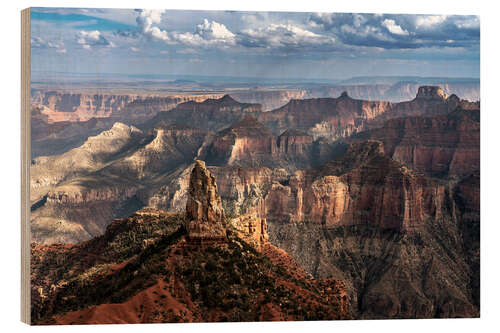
(381, 195)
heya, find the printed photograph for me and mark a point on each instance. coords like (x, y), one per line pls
(230, 166)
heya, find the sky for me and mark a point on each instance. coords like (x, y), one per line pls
(253, 44)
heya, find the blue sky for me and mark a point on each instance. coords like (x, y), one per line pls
(253, 44)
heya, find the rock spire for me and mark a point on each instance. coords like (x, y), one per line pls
(204, 212)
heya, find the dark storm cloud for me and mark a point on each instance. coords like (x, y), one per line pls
(399, 31)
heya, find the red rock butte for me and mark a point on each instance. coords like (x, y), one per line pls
(204, 213)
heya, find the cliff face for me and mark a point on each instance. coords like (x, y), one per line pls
(403, 91)
(93, 154)
(337, 118)
(444, 145)
(269, 100)
(365, 218)
(58, 106)
(212, 114)
(429, 101)
(248, 143)
(326, 117)
(61, 106)
(393, 92)
(364, 187)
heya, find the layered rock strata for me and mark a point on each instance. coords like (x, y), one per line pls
(204, 213)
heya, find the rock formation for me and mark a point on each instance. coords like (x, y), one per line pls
(211, 114)
(204, 213)
(251, 229)
(327, 117)
(442, 145)
(109, 176)
(393, 211)
(397, 91)
(363, 187)
(245, 143)
(141, 271)
(60, 105)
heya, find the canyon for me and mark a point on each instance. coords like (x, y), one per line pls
(199, 269)
(380, 196)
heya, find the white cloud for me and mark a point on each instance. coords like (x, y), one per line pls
(92, 38)
(282, 35)
(429, 20)
(211, 30)
(147, 22)
(394, 28)
(209, 33)
(38, 42)
(134, 49)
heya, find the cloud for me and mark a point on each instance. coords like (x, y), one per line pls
(394, 28)
(425, 21)
(284, 36)
(88, 39)
(207, 34)
(58, 46)
(147, 21)
(211, 30)
(134, 49)
(388, 31)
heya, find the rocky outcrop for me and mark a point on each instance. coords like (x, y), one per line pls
(250, 144)
(431, 93)
(404, 90)
(146, 107)
(251, 229)
(375, 91)
(211, 114)
(324, 117)
(430, 101)
(269, 99)
(443, 145)
(294, 142)
(170, 147)
(75, 107)
(59, 106)
(245, 143)
(49, 139)
(92, 155)
(141, 270)
(363, 187)
(204, 213)
(342, 117)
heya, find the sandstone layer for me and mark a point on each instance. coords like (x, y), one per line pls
(204, 212)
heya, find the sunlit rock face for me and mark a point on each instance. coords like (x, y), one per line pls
(204, 212)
